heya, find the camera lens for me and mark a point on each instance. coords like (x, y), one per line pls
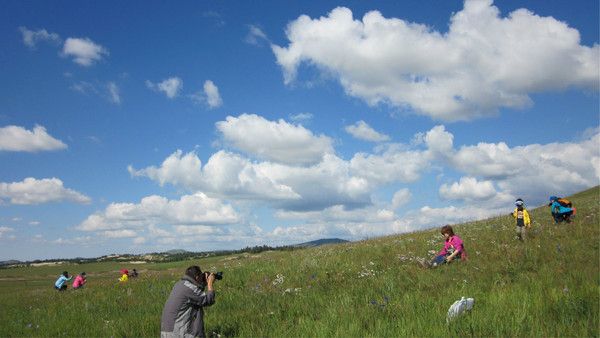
(219, 275)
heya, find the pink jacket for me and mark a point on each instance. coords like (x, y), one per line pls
(457, 244)
(79, 281)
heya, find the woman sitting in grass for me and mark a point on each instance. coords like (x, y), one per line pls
(453, 249)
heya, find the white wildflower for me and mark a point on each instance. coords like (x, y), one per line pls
(278, 279)
(366, 272)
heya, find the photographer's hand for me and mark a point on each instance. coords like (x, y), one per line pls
(209, 281)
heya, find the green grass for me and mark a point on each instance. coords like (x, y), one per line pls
(547, 286)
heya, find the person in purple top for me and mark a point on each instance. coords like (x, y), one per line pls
(453, 249)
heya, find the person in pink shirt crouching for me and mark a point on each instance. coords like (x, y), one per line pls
(79, 281)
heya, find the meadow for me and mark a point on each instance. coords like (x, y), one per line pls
(545, 286)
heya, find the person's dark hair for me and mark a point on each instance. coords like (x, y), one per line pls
(83, 273)
(447, 229)
(66, 274)
(193, 271)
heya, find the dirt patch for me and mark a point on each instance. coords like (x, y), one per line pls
(12, 279)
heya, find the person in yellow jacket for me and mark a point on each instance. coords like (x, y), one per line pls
(124, 276)
(522, 218)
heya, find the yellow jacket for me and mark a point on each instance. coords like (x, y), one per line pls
(123, 278)
(526, 218)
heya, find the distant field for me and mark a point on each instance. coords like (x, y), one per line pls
(547, 286)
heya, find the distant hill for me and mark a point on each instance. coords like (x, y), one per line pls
(176, 252)
(319, 242)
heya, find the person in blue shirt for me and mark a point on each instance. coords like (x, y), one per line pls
(61, 282)
(561, 212)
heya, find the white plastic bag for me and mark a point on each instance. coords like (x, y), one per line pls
(459, 307)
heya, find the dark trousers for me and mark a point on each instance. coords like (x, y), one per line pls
(564, 217)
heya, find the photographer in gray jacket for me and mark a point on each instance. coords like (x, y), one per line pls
(183, 315)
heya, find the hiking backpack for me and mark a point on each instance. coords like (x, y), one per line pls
(565, 202)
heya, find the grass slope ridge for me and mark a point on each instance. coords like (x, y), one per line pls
(546, 286)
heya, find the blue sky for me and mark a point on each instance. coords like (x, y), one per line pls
(139, 127)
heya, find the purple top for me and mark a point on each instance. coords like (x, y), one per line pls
(79, 281)
(454, 243)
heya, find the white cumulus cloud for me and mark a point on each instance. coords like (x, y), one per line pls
(31, 38)
(15, 138)
(362, 131)
(203, 230)
(81, 240)
(211, 91)
(401, 197)
(277, 141)
(139, 240)
(393, 165)
(113, 91)
(255, 35)
(439, 141)
(559, 168)
(288, 184)
(4, 230)
(232, 176)
(119, 233)
(468, 188)
(170, 87)
(85, 52)
(196, 209)
(34, 191)
(224, 174)
(483, 63)
(301, 117)
(492, 173)
(428, 216)
(327, 183)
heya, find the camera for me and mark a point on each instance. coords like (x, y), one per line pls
(218, 275)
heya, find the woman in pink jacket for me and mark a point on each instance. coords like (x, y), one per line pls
(79, 281)
(453, 248)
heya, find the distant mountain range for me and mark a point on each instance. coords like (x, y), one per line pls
(176, 252)
(172, 255)
(319, 242)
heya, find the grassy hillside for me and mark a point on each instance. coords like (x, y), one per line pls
(546, 286)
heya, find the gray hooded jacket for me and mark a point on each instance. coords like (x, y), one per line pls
(183, 315)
